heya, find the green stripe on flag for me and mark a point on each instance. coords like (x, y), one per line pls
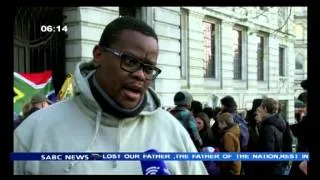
(28, 92)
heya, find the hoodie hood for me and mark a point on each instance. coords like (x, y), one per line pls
(85, 70)
(275, 120)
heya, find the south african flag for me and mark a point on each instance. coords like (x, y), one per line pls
(28, 84)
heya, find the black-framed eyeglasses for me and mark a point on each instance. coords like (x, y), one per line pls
(132, 64)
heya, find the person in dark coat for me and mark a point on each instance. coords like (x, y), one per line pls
(286, 144)
(249, 166)
(299, 131)
(214, 127)
(270, 136)
(253, 125)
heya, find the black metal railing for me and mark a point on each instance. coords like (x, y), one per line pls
(35, 50)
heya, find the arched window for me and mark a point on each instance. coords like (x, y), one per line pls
(299, 61)
(299, 31)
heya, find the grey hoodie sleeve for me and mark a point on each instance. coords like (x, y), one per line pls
(18, 166)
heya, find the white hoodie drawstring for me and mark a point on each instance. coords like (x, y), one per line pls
(98, 123)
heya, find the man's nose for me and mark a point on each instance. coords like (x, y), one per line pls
(139, 74)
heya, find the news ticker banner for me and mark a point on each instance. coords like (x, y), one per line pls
(131, 156)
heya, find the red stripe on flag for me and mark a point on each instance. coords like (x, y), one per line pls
(37, 78)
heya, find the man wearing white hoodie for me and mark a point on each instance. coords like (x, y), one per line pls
(113, 110)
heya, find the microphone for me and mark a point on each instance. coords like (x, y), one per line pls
(211, 166)
(209, 149)
(154, 167)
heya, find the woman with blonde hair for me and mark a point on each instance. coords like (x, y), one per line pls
(229, 142)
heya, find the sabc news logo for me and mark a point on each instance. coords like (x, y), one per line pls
(96, 156)
(153, 170)
(156, 170)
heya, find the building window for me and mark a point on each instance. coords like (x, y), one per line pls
(212, 50)
(299, 62)
(184, 43)
(237, 54)
(260, 58)
(299, 31)
(281, 61)
(209, 50)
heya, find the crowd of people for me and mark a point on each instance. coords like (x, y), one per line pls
(223, 128)
(37, 102)
(114, 110)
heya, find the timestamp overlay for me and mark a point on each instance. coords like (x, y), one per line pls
(54, 28)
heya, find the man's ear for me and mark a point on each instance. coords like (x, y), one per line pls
(97, 55)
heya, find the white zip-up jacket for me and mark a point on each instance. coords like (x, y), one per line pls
(79, 125)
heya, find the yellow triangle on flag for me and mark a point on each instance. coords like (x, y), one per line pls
(19, 94)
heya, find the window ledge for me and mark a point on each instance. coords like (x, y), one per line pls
(283, 78)
(211, 83)
(262, 85)
(239, 84)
